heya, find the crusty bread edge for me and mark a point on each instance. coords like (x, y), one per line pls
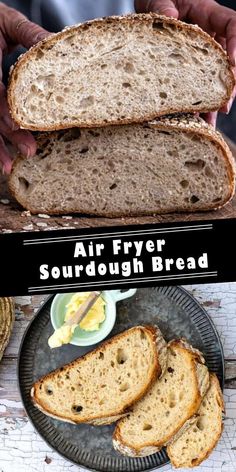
(185, 123)
(7, 304)
(152, 331)
(150, 448)
(131, 18)
(204, 456)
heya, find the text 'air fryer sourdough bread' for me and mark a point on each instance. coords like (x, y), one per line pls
(175, 164)
(119, 70)
(100, 387)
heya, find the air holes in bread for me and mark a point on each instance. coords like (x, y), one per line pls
(172, 400)
(197, 103)
(24, 184)
(170, 370)
(147, 427)
(124, 387)
(76, 409)
(195, 166)
(121, 356)
(200, 424)
(184, 183)
(59, 99)
(87, 102)
(39, 54)
(101, 355)
(177, 56)
(84, 150)
(126, 85)
(172, 353)
(129, 67)
(158, 26)
(142, 335)
(163, 94)
(48, 390)
(209, 172)
(113, 186)
(194, 199)
(73, 134)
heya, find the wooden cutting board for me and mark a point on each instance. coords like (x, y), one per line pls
(13, 218)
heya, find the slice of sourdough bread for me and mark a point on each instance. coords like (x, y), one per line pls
(119, 70)
(165, 409)
(101, 386)
(198, 441)
(172, 164)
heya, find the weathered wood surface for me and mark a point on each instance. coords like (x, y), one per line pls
(22, 449)
(13, 218)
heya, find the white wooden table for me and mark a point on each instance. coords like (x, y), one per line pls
(21, 448)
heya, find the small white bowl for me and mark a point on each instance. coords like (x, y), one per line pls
(80, 336)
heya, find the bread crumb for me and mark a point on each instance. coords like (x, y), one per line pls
(5, 201)
(28, 227)
(25, 213)
(42, 215)
(41, 224)
(66, 217)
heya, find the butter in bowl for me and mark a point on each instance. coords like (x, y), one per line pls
(95, 325)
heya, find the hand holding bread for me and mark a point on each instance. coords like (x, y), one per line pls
(215, 19)
(15, 30)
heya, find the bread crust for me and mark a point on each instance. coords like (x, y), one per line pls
(204, 456)
(7, 317)
(151, 448)
(103, 419)
(187, 123)
(102, 23)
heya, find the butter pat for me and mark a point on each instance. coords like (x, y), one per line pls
(61, 336)
(94, 317)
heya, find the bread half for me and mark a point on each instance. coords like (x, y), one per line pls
(198, 441)
(100, 387)
(166, 408)
(119, 70)
(169, 165)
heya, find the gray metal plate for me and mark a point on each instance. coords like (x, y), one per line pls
(177, 314)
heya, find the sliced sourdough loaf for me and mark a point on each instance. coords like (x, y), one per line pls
(100, 387)
(119, 70)
(165, 409)
(172, 164)
(198, 441)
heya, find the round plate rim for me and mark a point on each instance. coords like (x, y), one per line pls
(50, 297)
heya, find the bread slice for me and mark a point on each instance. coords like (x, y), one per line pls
(119, 70)
(101, 386)
(197, 442)
(172, 164)
(164, 410)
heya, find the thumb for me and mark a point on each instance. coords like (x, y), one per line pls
(163, 7)
(20, 30)
(28, 33)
